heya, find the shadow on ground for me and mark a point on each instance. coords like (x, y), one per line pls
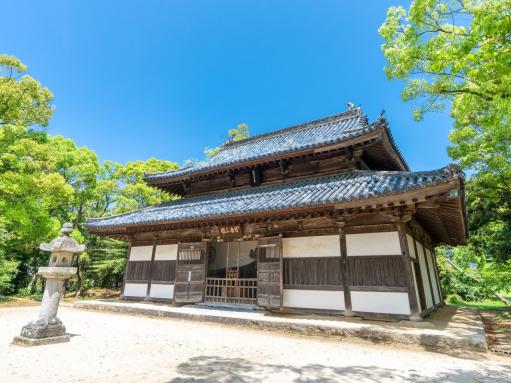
(238, 370)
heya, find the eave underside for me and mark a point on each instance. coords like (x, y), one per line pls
(440, 216)
(375, 149)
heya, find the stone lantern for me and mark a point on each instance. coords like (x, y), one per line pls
(48, 328)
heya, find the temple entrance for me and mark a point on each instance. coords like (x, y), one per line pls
(232, 272)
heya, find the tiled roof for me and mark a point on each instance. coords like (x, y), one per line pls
(324, 190)
(328, 130)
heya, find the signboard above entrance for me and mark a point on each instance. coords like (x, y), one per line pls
(230, 231)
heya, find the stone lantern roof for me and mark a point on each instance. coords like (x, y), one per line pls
(64, 242)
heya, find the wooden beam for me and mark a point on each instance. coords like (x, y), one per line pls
(344, 269)
(410, 281)
(148, 291)
(126, 269)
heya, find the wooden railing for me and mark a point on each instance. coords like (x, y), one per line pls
(231, 290)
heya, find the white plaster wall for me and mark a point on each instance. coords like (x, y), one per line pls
(314, 299)
(309, 247)
(135, 289)
(386, 243)
(380, 302)
(432, 272)
(165, 253)
(141, 253)
(424, 275)
(162, 291)
(411, 247)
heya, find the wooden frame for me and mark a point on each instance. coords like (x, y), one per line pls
(268, 270)
(148, 292)
(191, 272)
(125, 269)
(407, 261)
(347, 287)
(345, 275)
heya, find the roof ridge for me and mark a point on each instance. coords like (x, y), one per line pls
(334, 117)
(346, 115)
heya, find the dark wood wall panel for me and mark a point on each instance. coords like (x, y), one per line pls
(315, 273)
(164, 271)
(384, 271)
(138, 271)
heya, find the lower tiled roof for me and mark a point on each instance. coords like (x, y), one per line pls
(318, 191)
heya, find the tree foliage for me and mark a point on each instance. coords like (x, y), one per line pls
(457, 53)
(47, 180)
(239, 133)
(23, 101)
(465, 273)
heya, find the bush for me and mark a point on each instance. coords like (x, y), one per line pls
(8, 271)
(453, 299)
(473, 279)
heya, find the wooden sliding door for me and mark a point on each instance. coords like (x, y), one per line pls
(190, 272)
(269, 272)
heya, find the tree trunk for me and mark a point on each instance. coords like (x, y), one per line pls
(78, 292)
(33, 283)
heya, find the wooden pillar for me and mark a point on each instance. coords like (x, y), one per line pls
(410, 281)
(126, 267)
(344, 269)
(429, 274)
(281, 268)
(148, 291)
(435, 268)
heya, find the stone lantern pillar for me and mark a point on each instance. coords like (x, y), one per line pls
(48, 328)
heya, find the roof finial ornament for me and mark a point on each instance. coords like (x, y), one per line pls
(382, 113)
(351, 106)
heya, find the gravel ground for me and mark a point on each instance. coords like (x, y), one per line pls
(121, 348)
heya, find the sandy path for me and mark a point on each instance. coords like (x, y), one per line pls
(120, 348)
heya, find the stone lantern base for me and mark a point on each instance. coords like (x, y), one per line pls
(38, 333)
(22, 341)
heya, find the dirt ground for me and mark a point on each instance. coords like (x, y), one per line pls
(121, 348)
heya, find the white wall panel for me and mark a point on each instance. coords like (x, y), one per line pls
(165, 253)
(432, 273)
(380, 302)
(411, 247)
(141, 253)
(135, 289)
(162, 291)
(314, 299)
(386, 243)
(424, 275)
(308, 247)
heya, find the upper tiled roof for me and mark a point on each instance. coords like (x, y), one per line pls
(328, 130)
(319, 191)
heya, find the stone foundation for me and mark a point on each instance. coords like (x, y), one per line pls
(23, 341)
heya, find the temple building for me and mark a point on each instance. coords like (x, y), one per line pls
(321, 217)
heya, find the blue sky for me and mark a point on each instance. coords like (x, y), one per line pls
(165, 79)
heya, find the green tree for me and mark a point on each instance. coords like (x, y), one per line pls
(47, 180)
(8, 268)
(121, 188)
(23, 101)
(118, 189)
(458, 53)
(239, 133)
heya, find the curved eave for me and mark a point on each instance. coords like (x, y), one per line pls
(445, 226)
(381, 134)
